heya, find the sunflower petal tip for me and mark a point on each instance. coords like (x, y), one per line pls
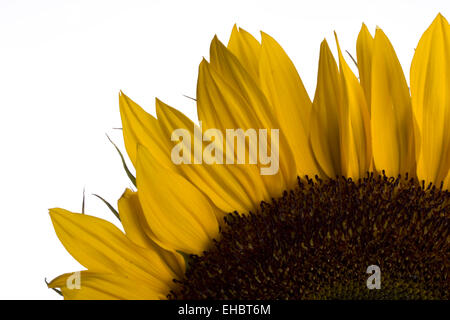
(266, 37)
(204, 64)
(52, 284)
(123, 97)
(440, 18)
(337, 41)
(54, 211)
(215, 44)
(364, 27)
(126, 194)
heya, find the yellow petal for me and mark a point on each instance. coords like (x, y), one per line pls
(176, 211)
(355, 123)
(226, 66)
(227, 188)
(138, 231)
(221, 107)
(430, 93)
(246, 48)
(284, 89)
(229, 98)
(325, 132)
(140, 127)
(392, 118)
(99, 245)
(133, 220)
(104, 286)
(364, 51)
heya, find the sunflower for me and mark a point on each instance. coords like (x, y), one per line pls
(362, 180)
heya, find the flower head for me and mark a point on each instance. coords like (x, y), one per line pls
(379, 152)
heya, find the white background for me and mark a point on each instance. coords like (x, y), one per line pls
(62, 64)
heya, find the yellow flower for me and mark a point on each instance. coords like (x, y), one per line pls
(351, 128)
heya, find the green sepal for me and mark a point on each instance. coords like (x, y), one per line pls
(113, 210)
(129, 174)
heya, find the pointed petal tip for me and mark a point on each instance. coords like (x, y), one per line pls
(58, 281)
(162, 107)
(440, 18)
(324, 45)
(364, 31)
(265, 37)
(50, 211)
(337, 44)
(158, 105)
(218, 44)
(215, 45)
(204, 64)
(51, 284)
(123, 97)
(364, 28)
(378, 32)
(56, 211)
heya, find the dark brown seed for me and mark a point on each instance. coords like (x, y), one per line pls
(317, 241)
